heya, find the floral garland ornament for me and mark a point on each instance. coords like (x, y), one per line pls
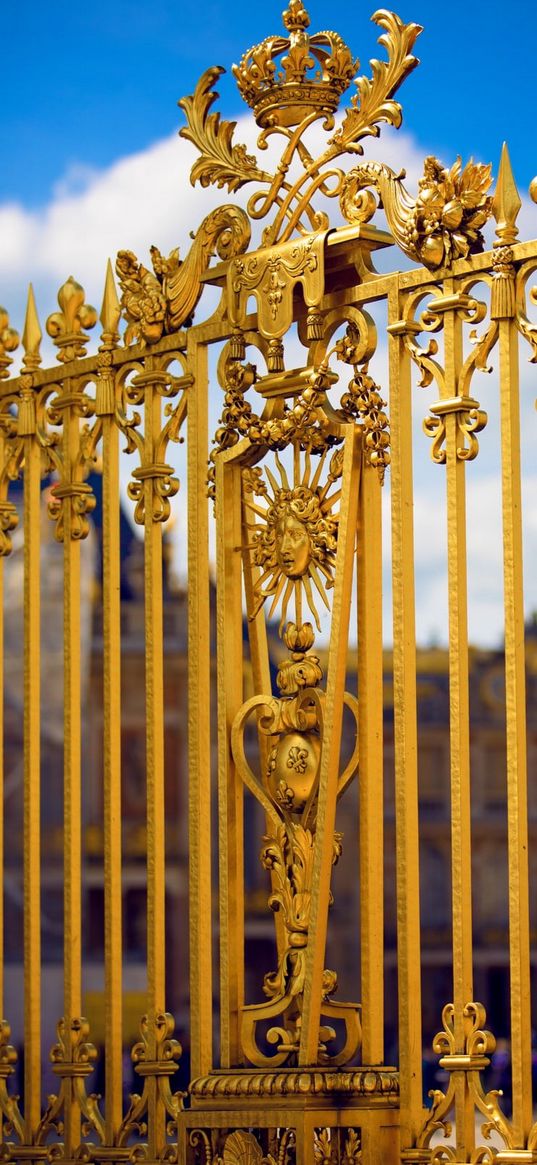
(441, 224)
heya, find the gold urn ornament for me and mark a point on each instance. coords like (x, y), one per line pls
(294, 768)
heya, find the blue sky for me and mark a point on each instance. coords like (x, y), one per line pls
(84, 84)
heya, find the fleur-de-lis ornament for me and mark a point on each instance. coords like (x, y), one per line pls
(66, 326)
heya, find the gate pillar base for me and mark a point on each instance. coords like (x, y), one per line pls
(313, 1116)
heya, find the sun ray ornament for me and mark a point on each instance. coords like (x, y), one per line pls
(294, 536)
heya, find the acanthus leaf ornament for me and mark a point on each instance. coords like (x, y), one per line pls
(222, 163)
(159, 302)
(374, 101)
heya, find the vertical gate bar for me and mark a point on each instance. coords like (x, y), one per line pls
(154, 651)
(405, 726)
(330, 746)
(32, 787)
(230, 794)
(515, 695)
(111, 604)
(371, 782)
(2, 753)
(112, 779)
(3, 452)
(72, 752)
(155, 809)
(459, 721)
(199, 719)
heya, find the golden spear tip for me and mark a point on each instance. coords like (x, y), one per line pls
(32, 334)
(506, 202)
(111, 309)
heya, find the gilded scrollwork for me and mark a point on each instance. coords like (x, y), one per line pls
(272, 275)
(308, 419)
(330, 1146)
(363, 402)
(71, 497)
(10, 1114)
(526, 327)
(149, 383)
(470, 419)
(12, 457)
(73, 1058)
(155, 1058)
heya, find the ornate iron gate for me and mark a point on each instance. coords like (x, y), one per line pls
(296, 480)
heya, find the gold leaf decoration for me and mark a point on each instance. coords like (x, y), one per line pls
(221, 163)
(373, 103)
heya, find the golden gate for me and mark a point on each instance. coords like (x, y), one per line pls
(296, 472)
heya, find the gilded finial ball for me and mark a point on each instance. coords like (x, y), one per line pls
(533, 189)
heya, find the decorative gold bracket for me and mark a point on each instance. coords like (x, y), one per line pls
(470, 419)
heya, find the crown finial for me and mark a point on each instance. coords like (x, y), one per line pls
(295, 17)
(285, 79)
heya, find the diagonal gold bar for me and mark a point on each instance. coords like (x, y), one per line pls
(405, 728)
(230, 795)
(371, 774)
(259, 655)
(199, 726)
(32, 787)
(328, 775)
(515, 698)
(459, 719)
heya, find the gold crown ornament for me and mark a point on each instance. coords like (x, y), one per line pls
(284, 79)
